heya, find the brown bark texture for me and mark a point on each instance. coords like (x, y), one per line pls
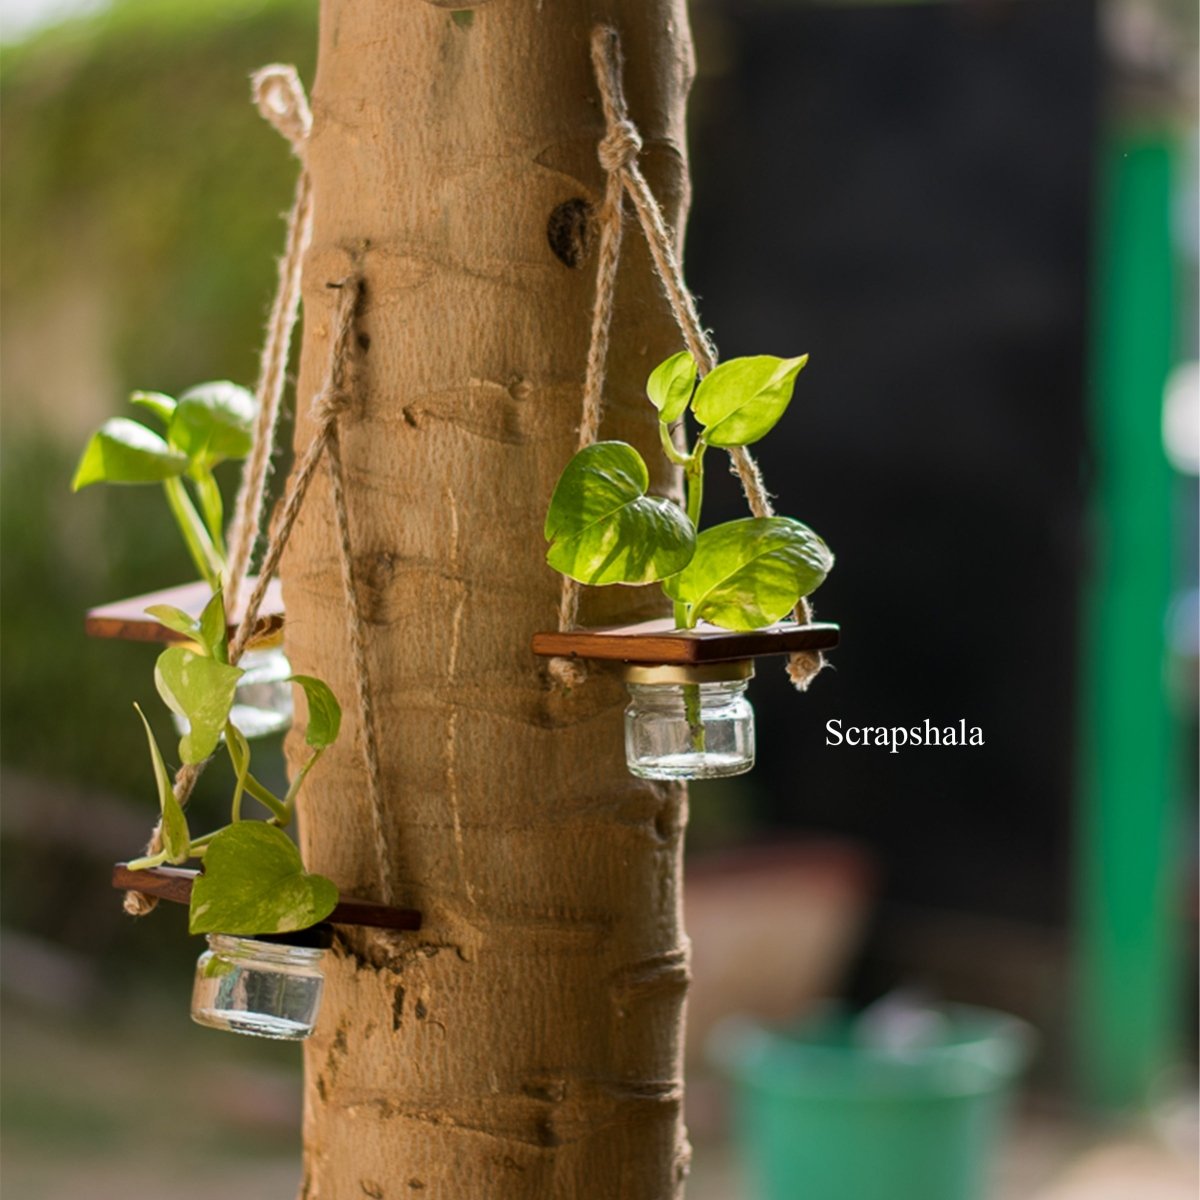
(527, 1042)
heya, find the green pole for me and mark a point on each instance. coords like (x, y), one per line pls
(1127, 849)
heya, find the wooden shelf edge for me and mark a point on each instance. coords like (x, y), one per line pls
(175, 883)
(127, 620)
(660, 642)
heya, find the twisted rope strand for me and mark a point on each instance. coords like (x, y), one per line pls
(362, 678)
(280, 98)
(621, 146)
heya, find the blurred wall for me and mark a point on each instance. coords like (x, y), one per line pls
(904, 191)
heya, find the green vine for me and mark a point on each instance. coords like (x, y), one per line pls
(254, 880)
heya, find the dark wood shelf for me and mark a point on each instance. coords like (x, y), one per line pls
(175, 883)
(660, 642)
(128, 620)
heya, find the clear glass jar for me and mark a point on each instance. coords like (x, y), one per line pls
(262, 703)
(689, 722)
(268, 988)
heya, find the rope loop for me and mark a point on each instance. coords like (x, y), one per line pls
(281, 101)
(620, 146)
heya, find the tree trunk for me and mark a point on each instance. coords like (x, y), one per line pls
(527, 1043)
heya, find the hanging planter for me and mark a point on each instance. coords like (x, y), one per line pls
(731, 585)
(222, 673)
(266, 985)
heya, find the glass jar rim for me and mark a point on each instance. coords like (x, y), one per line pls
(244, 946)
(735, 671)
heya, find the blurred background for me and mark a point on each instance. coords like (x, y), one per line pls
(980, 217)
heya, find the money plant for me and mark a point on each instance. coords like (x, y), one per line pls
(604, 528)
(253, 879)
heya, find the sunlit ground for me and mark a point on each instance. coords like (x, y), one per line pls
(152, 1105)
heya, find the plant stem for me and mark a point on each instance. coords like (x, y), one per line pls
(692, 711)
(195, 536)
(694, 476)
(212, 508)
(150, 860)
(198, 845)
(681, 458)
(268, 799)
(289, 801)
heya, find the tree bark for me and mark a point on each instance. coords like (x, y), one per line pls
(527, 1043)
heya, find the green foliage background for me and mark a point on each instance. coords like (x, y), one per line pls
(130, 152)
(135, 163)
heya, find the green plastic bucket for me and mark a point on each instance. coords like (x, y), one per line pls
(823, 1113)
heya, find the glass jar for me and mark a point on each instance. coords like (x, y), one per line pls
(269, 986)
(689, 722)
(262, 702)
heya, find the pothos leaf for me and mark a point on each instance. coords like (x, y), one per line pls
(162, 406)
(176, 619)
(213, 628)
(671, 384)
(749, 573)
(740, 401)
(123, 451)
(324, 712)
(603, 528)
(176, 839)
(213, 422)
(200, 689)
(254, 881)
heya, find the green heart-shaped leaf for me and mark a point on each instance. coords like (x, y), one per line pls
(162, 406)
(255, 882)
(122, 451)
(324, 712)
(603, 528)
(176, 838)
(201, 690)
(213, 422)
(750, 573)
(671, 384)
(742, 399)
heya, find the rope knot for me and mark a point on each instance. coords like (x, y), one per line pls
(620, 146)
(280, 97)
(329, 404)
(568, 673)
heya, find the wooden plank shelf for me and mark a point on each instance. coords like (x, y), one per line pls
(128, 620)
(175, 883)
(660, 642)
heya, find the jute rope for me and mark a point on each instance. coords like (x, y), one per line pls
(618, 153)
(280, 98)
(338, 396)
(620, 146)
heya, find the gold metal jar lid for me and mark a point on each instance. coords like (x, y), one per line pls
(719, 672)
